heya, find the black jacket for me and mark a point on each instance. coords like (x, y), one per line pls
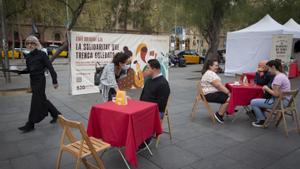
(36, 63)
(156, 90)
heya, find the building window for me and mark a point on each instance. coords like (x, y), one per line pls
(57, 36)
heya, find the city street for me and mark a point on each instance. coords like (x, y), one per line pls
(196, 144)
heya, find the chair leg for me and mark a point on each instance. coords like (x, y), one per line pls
(84, 161)
(99, 162)
(169, 126)
(279, 119)
(285, 124)
(77, 163)
(195, 105)
(210, 113)
(59, 159)
(157, 141)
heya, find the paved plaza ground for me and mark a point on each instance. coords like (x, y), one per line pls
(196, 144)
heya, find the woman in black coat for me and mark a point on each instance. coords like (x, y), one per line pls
(36, 63)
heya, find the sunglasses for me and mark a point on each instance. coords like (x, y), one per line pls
(30, 43)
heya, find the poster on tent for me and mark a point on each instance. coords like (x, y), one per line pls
(282, 49)
(90, 49)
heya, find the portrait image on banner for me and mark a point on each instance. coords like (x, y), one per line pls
(89, 51)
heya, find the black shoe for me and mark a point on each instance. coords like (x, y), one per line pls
(54, 120)
(219, 118)
(27, 128)
(259, 124)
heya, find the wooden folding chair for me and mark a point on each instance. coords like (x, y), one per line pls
(166, 116)
(82, 148)
(280, 111)
(200, 97)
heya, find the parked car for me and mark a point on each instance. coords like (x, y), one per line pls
(51, 49)
(16, 55)
(191, 56)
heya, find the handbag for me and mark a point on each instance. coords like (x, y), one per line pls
(97, 75)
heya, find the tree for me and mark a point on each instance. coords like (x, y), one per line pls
(75, 12)
(209, 19)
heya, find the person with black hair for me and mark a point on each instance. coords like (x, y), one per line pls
(111, 73)
(156, 90)
(213, 88)
(280, 84)
(128, 53)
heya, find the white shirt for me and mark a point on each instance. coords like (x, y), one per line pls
(206, 80)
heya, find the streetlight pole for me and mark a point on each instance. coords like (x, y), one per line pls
(5, 65)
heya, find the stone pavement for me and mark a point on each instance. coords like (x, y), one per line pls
(196, 145)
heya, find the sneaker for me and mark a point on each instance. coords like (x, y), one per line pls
(259, 124)
(219, 118)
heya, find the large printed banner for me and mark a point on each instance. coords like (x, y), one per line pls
(282, 49)
(89, 50)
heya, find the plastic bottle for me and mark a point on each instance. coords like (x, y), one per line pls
(245, 80)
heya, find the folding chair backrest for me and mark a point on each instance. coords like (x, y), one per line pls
(67, 125)
(292, 94)
(200, 92)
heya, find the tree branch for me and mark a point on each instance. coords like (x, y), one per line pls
(23, 8)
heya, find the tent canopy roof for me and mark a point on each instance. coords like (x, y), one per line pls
(292, 24)
(266, 24)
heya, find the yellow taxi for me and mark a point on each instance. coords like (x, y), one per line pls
(51, 49)
(16, 55)
(191, 57)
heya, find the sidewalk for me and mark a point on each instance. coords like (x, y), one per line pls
(196, 145)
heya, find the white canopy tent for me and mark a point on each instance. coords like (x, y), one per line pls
(292, 24)
(246, 47)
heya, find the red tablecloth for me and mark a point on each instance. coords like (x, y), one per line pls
(241, 95)
(127, 125)
(250, 76)
(293, 70)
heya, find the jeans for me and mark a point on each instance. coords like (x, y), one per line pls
(258, 104)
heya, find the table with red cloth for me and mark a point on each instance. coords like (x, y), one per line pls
(250, 76)
(125, 126)
(293, 70)
(241, 95)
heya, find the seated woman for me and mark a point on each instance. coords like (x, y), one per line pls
(213, 88)
(111, 73)
(262, 76)
(280, 84)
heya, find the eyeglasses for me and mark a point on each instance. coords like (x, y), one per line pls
(30, 43)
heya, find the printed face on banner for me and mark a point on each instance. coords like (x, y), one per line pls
(91, 50)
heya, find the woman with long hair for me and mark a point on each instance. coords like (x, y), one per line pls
(111, 73)
(213, 88)
(36, 63)
(280, 83)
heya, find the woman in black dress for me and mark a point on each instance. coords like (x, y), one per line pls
(36, 63)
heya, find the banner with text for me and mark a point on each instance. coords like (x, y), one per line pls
(282, 49)
(87, 50)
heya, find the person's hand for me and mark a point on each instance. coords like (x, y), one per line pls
(55, 86)
(265, 88)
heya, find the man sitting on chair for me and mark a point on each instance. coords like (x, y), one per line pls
(156, 89)
(213, 88)
(262, 76)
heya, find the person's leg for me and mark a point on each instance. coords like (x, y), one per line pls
(53, 111)
(111, 93)
(257, 106)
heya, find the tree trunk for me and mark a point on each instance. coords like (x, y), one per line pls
(75, 15)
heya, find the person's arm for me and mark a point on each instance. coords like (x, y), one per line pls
(275, 91)
(217, 84)
(49, 66)
(24, 71)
